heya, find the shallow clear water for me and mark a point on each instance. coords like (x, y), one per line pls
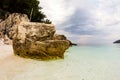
(80, 63)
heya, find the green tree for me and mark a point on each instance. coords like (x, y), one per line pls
(29, 7)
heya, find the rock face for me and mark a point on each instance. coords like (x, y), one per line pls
(33, 40)
(7, 27)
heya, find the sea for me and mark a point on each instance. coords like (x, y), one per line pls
(86, 62)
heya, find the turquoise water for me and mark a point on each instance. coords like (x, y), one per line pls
(95, 62)
(80, 63)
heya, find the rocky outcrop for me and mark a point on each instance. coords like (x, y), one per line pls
(33, 40)
(63, 37)
(59, 37)
(7, 40)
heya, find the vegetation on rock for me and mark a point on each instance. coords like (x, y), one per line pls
(29, 7)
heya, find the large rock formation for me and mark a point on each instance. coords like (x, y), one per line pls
(33, 40)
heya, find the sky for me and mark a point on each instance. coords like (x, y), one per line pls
(85, 21)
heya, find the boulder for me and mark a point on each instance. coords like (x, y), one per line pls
(33, 40)
(45, 50)
(33, 31)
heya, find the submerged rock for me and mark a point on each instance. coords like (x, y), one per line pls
(34, 40)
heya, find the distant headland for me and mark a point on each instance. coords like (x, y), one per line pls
(118, 41)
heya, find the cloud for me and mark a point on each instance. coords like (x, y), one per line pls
(85, 21)
(80, 23)
(106, 13)
(56, 10)
(106, 18)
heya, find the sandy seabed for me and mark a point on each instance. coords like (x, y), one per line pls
(17, 68)
(80, 63)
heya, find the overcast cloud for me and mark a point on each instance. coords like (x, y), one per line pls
(85, 21)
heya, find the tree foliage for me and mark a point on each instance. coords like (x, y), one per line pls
(25, 7)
